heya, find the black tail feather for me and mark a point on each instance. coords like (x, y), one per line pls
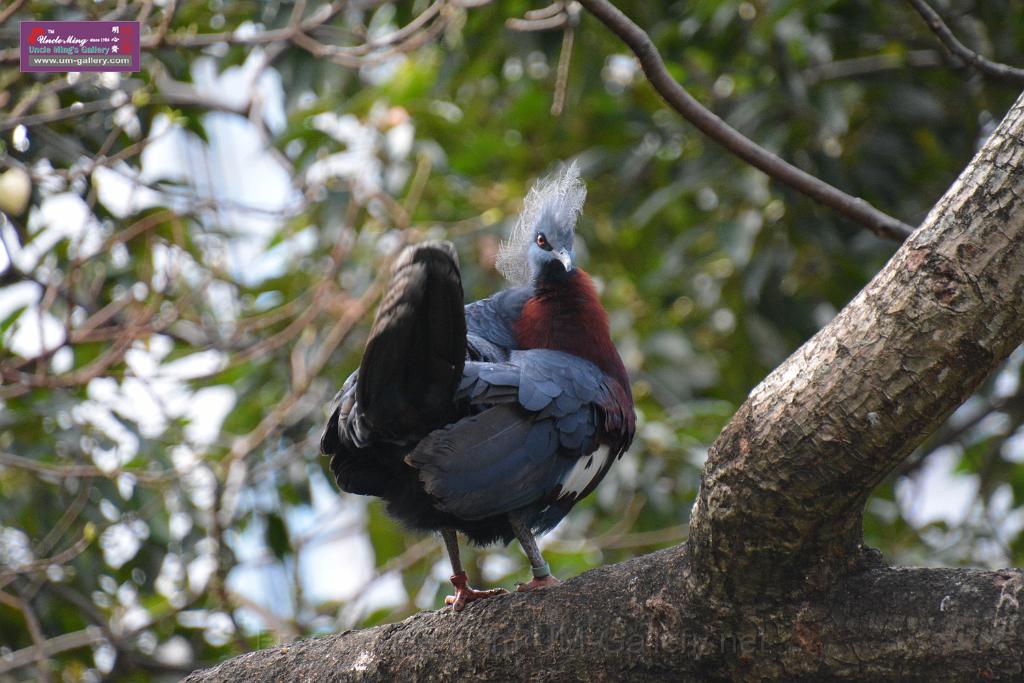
(415, 355)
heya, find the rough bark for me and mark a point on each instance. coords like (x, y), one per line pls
(644, 620)
(786, 480)
(774, 583)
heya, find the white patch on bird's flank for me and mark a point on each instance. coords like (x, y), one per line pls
(586, 470)
(561, 196)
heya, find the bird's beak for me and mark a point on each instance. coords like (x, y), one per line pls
(566, 259)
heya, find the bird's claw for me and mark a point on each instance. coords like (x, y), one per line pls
(465, 595)
(536, 583)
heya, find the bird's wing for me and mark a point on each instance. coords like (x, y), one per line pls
(541, 436)
(493, 319)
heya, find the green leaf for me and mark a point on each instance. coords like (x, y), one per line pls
(276, 536)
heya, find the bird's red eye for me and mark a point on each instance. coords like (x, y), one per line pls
(542, 241)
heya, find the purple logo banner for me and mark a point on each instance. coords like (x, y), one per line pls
(80, 46)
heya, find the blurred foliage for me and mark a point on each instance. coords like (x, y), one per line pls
(202, 268)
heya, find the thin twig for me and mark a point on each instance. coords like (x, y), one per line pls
(50, 88)
(985, 66)
(79, 471)
(871, 65)
(10, 10)
(60, 558)
(551, 10)
(406, 39)
(721, 132)
(35, 631)
(72, 112)
(51, 647)
(165, 22)
(546, 24)
(357, 308)
(562, 79)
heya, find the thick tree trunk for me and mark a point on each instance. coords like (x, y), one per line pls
(774, 583)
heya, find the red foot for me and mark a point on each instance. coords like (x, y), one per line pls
(548, 580)
(464, 594)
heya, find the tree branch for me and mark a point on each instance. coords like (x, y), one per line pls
(872, 65)
(51, 647)
(721, 132)
(643, 620)
(786, 480)
(943, 32)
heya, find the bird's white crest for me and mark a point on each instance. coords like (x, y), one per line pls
(560, 197)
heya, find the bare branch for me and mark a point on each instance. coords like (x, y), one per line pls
(9, 11)
(60, 558)
(35, 632)
(162, 38)
(969, 56)
(871, 65)
(558, 15)
(53, 646)
(562, 80)
(165, 22)
(721, 132)
(545, 24)
(78, 472)
(551, 10)
(72, 112)
(354, 312)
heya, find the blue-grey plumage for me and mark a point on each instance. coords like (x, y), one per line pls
(495, 418)
(493, 319)
(555, 409)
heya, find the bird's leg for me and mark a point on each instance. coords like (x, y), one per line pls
(463, 593)
(542, 576)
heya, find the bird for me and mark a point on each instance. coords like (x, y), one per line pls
(493, 419)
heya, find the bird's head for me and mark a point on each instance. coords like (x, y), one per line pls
(541, 243)
(551, 252)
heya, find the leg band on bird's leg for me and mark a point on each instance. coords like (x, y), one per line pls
(542, 576)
